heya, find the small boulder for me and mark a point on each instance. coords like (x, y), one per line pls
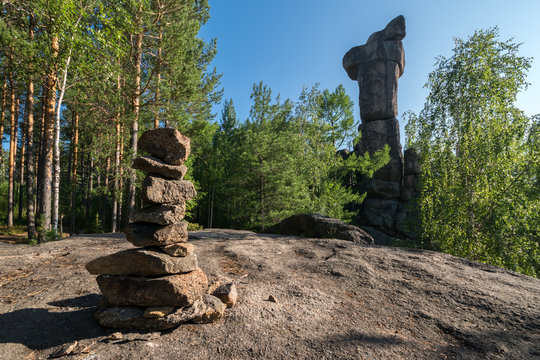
(227, 294)
(167, 144)
(213, 310)
(319, 226)
(152, 165)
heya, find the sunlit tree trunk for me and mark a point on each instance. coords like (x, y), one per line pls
(40, 148)
(56, 178)
(12, 148)
(21, 171)
(48, 135)
(2, 120)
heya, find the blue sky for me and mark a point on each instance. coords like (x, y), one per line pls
(289, 44)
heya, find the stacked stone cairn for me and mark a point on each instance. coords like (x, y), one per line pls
(377, 66)
(159, 285)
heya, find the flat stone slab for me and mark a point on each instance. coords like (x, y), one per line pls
(167, 144)
(142, 262)
(206, 309)
(173, 290)
(152, 165)
(145, 234)
(160, 214)
(157, 190)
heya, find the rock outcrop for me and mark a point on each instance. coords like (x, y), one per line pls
(300, 298)
(158, 285)
(377, 66)
(320, 226)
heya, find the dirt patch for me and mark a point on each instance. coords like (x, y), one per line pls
(332, 299)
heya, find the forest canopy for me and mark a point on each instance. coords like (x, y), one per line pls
(82, 79)
(480, 157)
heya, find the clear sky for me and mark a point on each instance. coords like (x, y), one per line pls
(289, 44)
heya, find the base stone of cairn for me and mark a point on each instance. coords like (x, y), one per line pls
(159, 284)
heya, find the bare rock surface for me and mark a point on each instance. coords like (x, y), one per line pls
(334, 299)
(160, 214)
(152, 165)
(141, 262)
(167, 144)
(145, 234)
(157, 190)
(172, 290)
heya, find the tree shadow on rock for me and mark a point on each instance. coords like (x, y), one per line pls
(39, 328)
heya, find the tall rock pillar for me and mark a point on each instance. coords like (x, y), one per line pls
(377, 66)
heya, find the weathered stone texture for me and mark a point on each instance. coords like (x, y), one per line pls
(152, 165)
(227, 294)
(146, 234)
(384, 189)
(377, 66)
(167, 144)
(378, 133)
(173, 290)
(160, 214)
(180, 250)
(141, 262)
(412, 165)
(320, 226)
(154, 318)
(379, 213)
(213, 310)
(157, 190)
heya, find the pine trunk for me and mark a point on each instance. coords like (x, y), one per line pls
(12, 150)
(75, 142)
(89, 184)
(40, 148)
(21, 172)
(30, 204)
(117, 196)
(2, 120)
(45, 182)
(105, 192)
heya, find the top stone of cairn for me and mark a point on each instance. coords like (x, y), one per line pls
(166, 144)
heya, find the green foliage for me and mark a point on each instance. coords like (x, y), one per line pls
(283, 160)
(95, 227)
(44, 235)
(480, 155)
(194, 227)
